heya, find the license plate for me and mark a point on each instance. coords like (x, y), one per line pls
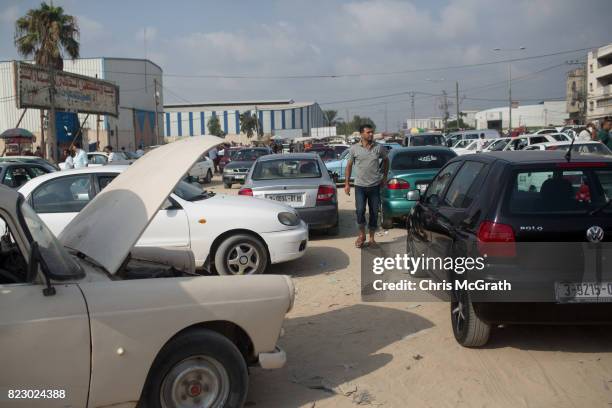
(583, 292)
(239, 177)
(291, 199)
(422, 187)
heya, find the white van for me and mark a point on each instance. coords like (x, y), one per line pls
(454, 137)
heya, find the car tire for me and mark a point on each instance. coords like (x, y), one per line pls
(196, 361)
(208, 177)
(387, 222)
(468, 328)
(335, 230)
(241, 254)
(227, 185)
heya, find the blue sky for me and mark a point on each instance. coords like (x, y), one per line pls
(291, 37)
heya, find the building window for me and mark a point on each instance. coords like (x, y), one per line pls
(591, 68)
(591, 86)
(591, 106)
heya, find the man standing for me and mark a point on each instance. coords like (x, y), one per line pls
(370, 175)
(587, 133)
(480, 143)
(213, 154)
(604, 133)
(80, 157)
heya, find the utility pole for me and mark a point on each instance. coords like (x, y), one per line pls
(386, 130)
(156, 96)
(444, 107)
(509, 98)
(457, 102)
(52, 136)
(412, 110)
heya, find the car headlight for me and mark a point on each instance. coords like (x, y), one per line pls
(288, 219)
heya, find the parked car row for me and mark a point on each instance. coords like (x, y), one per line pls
(109, 322)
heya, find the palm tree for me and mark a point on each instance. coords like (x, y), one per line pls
(249, 125)
(47, 34)
(330, 116)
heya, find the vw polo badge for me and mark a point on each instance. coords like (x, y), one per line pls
(595, 234)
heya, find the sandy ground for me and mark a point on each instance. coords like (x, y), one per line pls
(343, 352)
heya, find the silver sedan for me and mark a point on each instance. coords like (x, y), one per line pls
(299, 180)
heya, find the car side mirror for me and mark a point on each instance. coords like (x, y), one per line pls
(413, 195)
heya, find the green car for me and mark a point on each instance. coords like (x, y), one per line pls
(410, 168)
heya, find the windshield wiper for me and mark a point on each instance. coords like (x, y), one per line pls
(600, 209)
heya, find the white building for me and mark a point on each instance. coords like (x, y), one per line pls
(192, 119)
(139, 82)
(599, 83)
(533, 116)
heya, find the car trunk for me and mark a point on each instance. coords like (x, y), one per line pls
(294, 193)
(417, 179)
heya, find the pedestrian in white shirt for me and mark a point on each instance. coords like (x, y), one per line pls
(80, 156)
(111, 155)
(213, 154)
(68, 161)
(480, 143)
(587, 134)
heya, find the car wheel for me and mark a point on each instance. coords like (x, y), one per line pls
(241, 254)
(387, 222)
(208, 177)
(198, 368)
(227, 185)
(468, 328)
(335, 230)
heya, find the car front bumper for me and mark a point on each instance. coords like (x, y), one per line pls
(273, 360)
(398, 207)
(287, 245)
(320, 217)
(233, 178)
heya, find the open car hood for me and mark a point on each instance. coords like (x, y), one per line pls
(109, 226)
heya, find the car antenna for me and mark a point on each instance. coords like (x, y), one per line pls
(568, 155)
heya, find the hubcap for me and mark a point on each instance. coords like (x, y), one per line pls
(458, 313)
(243, 259)
(197, 381)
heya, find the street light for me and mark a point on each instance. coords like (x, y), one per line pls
(509, 82)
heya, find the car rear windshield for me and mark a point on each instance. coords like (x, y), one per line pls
(421, 160)
(426, 140)
(248, 154)
(555, 190)
(286, 169)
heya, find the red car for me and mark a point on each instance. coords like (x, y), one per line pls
(228, 155)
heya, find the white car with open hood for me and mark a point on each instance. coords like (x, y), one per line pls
(232, 235)
(86, 320)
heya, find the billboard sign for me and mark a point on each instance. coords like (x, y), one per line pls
(73, 92)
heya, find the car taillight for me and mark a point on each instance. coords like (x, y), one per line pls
(495, 239)
(326, 194)
(398, 184)
(245, 192)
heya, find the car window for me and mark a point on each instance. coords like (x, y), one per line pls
(286, 169)
(12, 260)
(458, 193)
(441, 180)
(65, 194)
(423, 160)
(105, 180)
(559, 138)
(590, 148)
(497, 145)
(97, 159)
(16, 176)
(538, 139)
(37, 171)
(556, 190)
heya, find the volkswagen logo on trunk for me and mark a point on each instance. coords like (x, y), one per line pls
(595, 234)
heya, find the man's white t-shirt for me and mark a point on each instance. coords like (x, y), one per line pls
(584, 136)
(80, 159)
